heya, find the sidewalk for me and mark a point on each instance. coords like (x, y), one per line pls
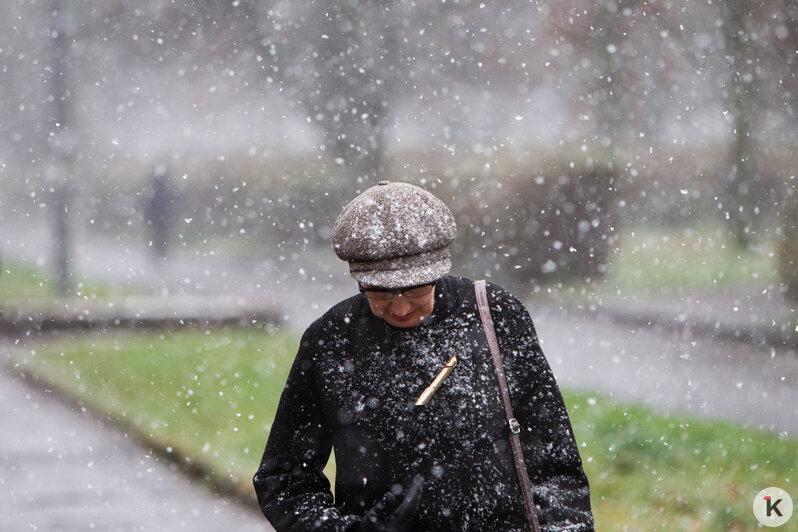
(722, 354)
(762, 317)
(61, 469)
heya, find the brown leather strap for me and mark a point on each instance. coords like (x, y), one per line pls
(514, 426)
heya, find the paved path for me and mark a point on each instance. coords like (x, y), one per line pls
(61, 469)
(760, 315)
(751, 383)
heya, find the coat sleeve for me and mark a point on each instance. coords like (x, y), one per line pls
(293, 492)
(561, 490)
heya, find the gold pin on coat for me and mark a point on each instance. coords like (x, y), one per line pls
(436, 383)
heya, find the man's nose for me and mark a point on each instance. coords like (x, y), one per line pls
(400, 306)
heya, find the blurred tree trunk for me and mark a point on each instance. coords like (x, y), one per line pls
(618, 77)
(608, 91)
(338, 59)
(741, 188)
(355, 81)
(60, 152)
(62, 238)
(788, 252)
(788, 203)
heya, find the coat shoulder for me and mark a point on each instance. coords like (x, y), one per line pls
(501, 300)
(342, 312)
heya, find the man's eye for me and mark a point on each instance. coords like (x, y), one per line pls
(379, 296)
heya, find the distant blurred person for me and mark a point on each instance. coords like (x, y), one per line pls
(160, 212)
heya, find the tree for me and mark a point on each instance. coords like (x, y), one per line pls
(61, 145)
(785, 55)
(741, 97)
(350, 65)
(338, 61)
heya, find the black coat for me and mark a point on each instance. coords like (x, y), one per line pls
(353, 386)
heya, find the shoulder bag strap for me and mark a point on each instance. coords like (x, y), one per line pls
(515, 427)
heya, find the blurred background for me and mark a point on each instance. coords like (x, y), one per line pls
(170, 171)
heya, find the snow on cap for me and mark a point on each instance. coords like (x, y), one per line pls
(395, 235)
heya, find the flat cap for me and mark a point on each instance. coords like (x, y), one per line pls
(395, 235)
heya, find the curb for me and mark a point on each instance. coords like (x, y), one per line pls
(133, 313)
(779, 337)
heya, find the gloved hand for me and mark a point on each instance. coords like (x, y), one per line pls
(394, 512)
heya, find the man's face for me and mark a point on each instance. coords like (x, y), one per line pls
(403, 310)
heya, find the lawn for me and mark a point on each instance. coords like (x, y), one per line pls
(684, 259)
(651, 471)
(210, 396)
(19, 281)
(26, 285)
(674, 262)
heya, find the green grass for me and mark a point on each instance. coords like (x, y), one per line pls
(650, 471)
(19, 281)
(671, 261)
(22, 284)
(704, 257)
(212, 396)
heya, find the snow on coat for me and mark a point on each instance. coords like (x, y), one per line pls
(352, 387)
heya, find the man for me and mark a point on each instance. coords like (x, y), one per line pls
(361, 367)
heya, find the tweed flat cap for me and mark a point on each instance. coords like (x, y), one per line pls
(395, 235)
